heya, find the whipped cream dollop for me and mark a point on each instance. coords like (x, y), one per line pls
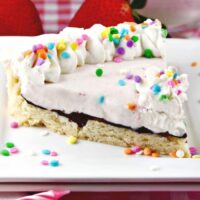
(75, 47)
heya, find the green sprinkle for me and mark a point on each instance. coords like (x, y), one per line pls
(99, 72)
(113, 30)
(135, 38)
(164, 32)
(9, 144)
(148, 53)
(5, 152)
(163, 97)
(110, 37)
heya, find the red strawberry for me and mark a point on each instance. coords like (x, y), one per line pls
(19, 17)
(106, 12)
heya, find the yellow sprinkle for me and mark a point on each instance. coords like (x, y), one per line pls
(74, 46)
(169, 73)
(104, 34)
(61, 46)
(116, 36)
(196, 156)
(72, 140)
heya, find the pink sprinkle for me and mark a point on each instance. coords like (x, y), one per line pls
(117, 59)
(178, 92)
(85, 37)
(136, 149)
(14, 125)
(54, 153)
(193, 151)
(14, 150)
(44, 162)
(79, 41)
(171, 83)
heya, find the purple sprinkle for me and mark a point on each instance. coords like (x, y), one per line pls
(193, 151)
(14, 125)
(40, 61)
(162, 72)
(137, 79)
(120, 50)
(129, 43)
(129, 76)
(34, 48)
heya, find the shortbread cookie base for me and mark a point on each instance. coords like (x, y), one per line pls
(29, 115)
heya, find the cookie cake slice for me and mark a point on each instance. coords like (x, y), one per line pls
(103, 84)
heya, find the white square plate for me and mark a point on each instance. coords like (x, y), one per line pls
(94, 162)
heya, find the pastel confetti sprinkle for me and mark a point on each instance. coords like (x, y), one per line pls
(44, 162)
(9, 144)
(147, 151)
(72, 140)
(5, 152)
(120, 50)
(54, 163)
(79, 41)
(155, 154)
(54, 153)
(129, 76)
(121, 82)
(65, 55)
(163, 97)
(101, 100)
(113, 30)
(136, 149)
(169, 73)
(132, 106)
(61, 46)
(85, 37)
(137, 79)
(148, 53)
(46, 151)
(196, 156)
(50, 46)
(40, 62)
(193, 150)
(180, 153)
(99, 72)
(74, 46)
(194, 64)
(117, 59)
(49, 56)
(129, 43)
(135, 38)
(14, 150)
(156, 89)
(178, 92)
(128, 151)
(14, 125)
(164, 32)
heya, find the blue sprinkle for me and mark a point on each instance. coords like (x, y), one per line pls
(51, 46)
(121, 82)
(116, 41)
(46, 151)
(123, 32)
(54, 163)
(156, 89)
(65, 55)
(49, 56)
(175, 75)
(101, 99)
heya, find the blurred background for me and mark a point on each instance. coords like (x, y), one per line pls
(182, 17)
(34, 17)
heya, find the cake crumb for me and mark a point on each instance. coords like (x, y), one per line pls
(194, 64)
